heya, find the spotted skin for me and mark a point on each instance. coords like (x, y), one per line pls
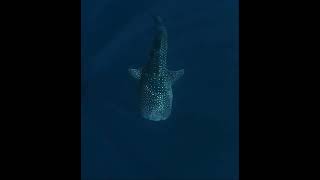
(155, 80)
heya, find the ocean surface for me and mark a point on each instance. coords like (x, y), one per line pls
(200, 138)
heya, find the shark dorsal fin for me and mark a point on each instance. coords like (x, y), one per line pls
(135, 73)
(176, 75)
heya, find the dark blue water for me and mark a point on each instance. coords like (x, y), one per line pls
(200, 139)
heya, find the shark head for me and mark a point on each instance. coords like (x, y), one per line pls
(156, 102)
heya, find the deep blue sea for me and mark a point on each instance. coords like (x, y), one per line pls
(200, 139)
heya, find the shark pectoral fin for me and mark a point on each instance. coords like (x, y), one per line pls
(135, 73)
(176, 75)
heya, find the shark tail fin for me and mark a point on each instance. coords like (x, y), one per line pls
(157, 19)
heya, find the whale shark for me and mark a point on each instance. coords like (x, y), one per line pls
(155, 80)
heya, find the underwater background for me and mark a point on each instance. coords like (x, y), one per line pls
(200, 138)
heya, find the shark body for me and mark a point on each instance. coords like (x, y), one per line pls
(155, 80)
